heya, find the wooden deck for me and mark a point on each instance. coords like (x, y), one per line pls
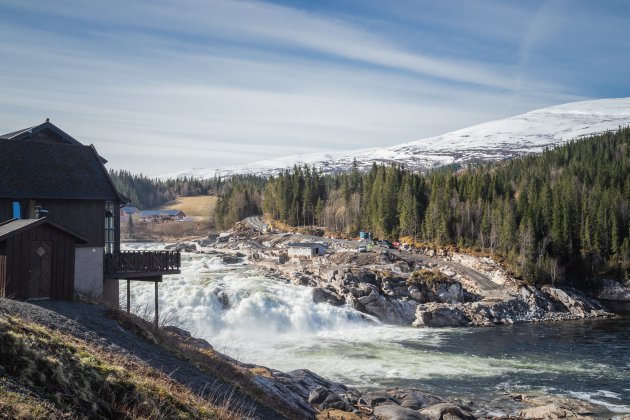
(141, 265)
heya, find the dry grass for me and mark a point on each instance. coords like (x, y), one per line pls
(428, 276)
(170, 231)
(199, 206)
(22, 404)
(76, 379)
(239, 375)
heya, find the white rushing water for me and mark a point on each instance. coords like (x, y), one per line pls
(270, 322)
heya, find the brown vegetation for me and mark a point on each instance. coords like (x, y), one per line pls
(428, 276)
(198, 206)
(47, 374)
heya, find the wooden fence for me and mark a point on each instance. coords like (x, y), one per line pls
(145, 263)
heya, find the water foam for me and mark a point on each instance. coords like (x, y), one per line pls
(597, 398)
(263, 320)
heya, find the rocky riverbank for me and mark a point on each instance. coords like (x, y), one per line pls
(113, 354)
(425, 288)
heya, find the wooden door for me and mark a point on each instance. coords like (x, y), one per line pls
(40, 270)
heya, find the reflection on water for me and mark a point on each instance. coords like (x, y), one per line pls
(267, 321)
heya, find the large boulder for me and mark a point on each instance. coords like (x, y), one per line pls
(553, 407)
(231, 259)
(379, 398)
(396, 412)
(324, 295)
(575, 303)
(413, 398)
(443, 291)
(182, 247)
(612, 290)
(440, 316)
(387, 309)
(446, 411)
(323, 399)
(395, 287)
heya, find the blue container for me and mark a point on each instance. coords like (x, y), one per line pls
(16, 210)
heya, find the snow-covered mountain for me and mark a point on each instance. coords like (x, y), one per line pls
(526, 133)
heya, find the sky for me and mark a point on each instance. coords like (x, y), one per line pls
(164, 85)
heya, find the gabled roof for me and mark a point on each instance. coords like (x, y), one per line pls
(306, 245)
(14, 227)
(148, 213)
(30, 132)
(31, 169)
(45, 132)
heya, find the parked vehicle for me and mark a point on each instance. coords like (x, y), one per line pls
(362, 248)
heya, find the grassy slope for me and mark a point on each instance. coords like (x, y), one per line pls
(200, 206)
(46, 373)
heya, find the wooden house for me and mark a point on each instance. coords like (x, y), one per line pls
(59, 192)
(161, 215)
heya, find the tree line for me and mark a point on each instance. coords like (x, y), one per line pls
(560, 213)
(145, 192)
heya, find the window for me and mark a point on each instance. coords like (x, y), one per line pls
(110, 227)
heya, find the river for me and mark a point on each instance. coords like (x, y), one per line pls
(271, 322)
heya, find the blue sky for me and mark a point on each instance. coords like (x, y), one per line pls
(159, 86)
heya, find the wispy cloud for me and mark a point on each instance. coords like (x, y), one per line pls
(164, 85)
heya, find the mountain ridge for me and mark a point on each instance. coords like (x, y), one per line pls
(530, 132)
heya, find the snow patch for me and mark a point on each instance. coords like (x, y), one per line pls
(527, 133)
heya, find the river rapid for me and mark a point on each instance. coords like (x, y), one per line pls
(270, 322)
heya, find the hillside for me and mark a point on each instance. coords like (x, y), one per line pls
(197, 206)
(527, 133)
(73, 360)
(560, 215)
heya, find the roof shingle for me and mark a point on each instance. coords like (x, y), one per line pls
(53, 170)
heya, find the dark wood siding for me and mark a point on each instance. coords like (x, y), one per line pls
(17, 251)
(85, 217)
(6, 210)
(3, 267)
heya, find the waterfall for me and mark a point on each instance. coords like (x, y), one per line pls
(256, 318)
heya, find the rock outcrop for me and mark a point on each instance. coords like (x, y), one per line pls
(612, 290)
(434, 289)
(440, 300)
(309, 393)
(552, 407)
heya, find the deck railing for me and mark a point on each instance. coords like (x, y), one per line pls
(142, 263)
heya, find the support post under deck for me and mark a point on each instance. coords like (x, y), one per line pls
(156, 306)
(128, 295)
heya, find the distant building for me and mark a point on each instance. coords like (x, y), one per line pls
(305, 249)
(127, 212)
(160, 215)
